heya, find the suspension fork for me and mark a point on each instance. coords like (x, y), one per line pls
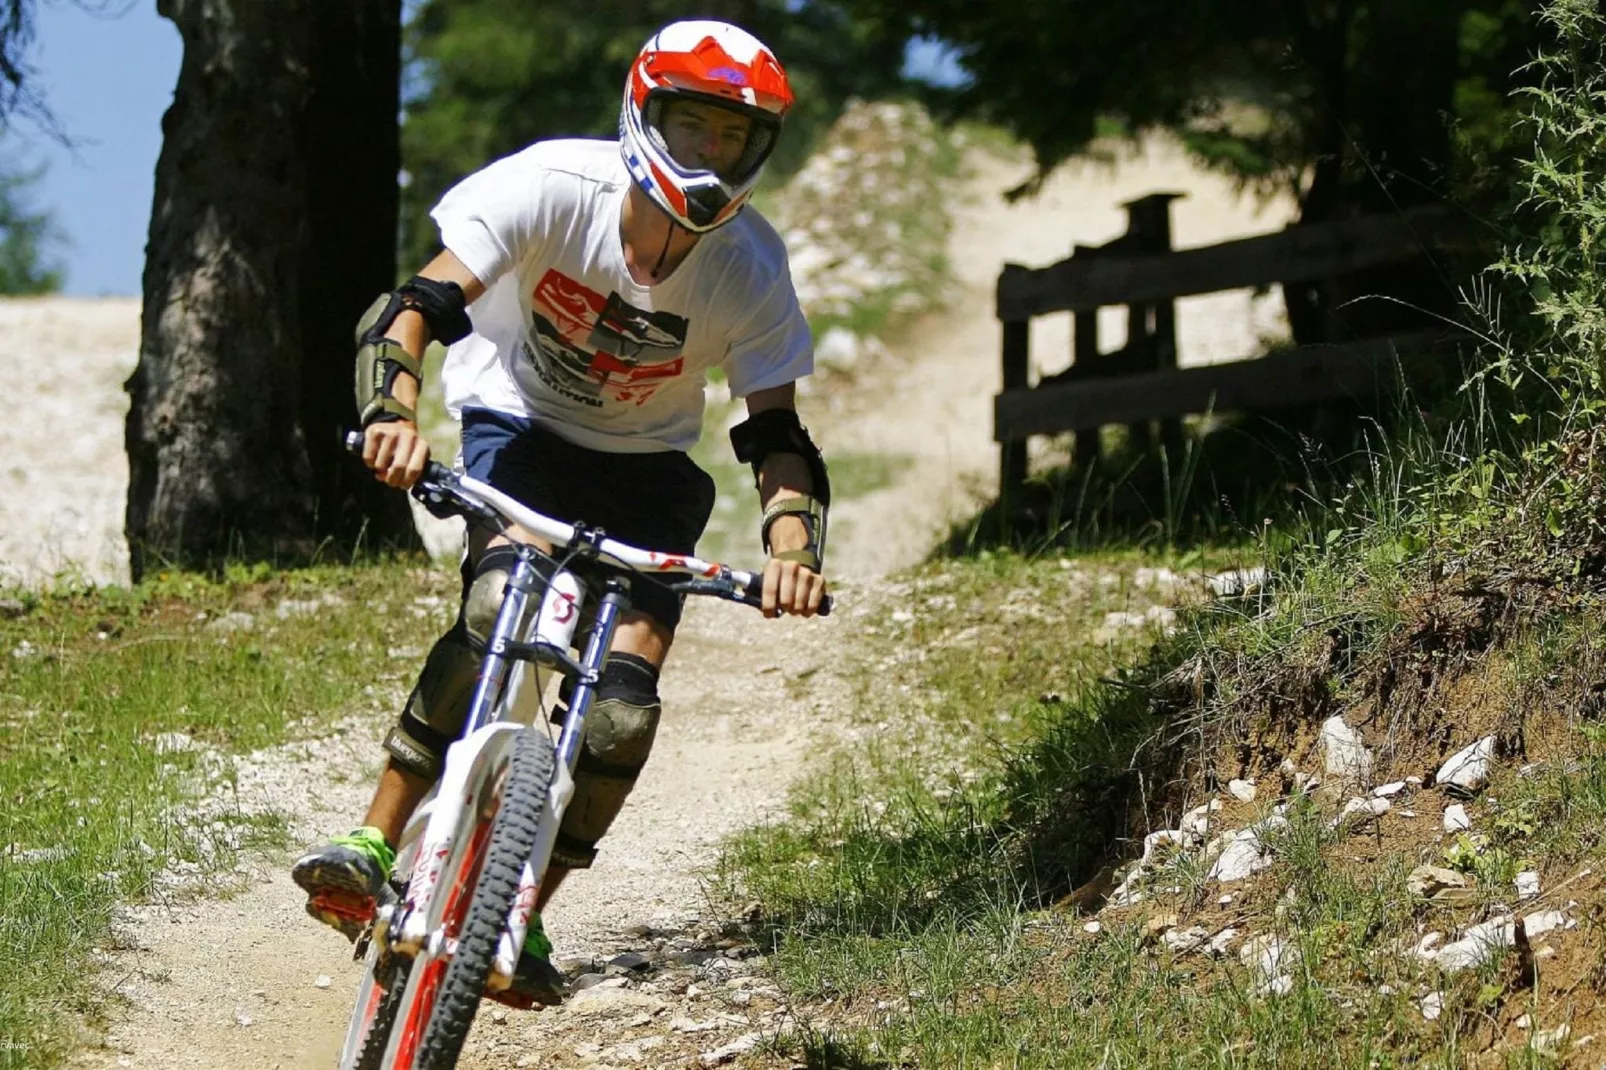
(615, 600)
(523, 583)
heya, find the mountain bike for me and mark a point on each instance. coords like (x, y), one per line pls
(451, 923)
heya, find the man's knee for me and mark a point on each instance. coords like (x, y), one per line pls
(433, 717)
(620, 731)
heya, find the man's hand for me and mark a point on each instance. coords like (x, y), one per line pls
(790, 587)
(396, 452)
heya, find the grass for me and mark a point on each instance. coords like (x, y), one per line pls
(120, 704)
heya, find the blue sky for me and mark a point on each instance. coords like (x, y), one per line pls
(108, 81)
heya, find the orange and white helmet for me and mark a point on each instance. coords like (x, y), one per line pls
(710, 63)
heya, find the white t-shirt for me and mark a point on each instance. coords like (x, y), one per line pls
(564, 335)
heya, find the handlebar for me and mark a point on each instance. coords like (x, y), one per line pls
(442, 490)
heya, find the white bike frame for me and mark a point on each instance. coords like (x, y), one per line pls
(437, 834)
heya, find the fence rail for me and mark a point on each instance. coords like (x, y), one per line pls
(1141, 381)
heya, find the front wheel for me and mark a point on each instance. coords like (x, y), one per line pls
(512, 838)
(375, 1016)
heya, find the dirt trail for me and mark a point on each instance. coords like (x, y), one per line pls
(249, 981)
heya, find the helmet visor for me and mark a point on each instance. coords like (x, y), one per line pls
(710, 135)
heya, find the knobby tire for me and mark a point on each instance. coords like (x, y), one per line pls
(513, 833)
(371, 1056)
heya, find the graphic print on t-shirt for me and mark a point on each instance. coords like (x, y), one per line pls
(593, 349)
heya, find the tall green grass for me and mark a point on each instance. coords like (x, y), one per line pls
(902, 897)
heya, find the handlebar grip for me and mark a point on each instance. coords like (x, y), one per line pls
(754, 595)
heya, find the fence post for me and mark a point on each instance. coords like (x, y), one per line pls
(1012, 453)
(1084, 356)
(1149, 234)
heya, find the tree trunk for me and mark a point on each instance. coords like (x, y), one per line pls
(352, 157)
(231, 403)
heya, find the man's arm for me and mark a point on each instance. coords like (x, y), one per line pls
(789, 586)
(394, 449)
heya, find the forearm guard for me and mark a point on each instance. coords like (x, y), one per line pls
(378, 364)
(380, 360)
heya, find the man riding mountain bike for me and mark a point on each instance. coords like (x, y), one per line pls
(585, 288)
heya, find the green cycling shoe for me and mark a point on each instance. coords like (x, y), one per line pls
(536, 982)
(343, 878)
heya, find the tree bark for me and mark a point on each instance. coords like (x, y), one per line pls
(352, 156)
(241, 373)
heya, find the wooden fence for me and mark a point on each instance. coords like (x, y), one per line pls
(1141, 381)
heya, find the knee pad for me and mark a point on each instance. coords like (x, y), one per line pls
(483, 598)
(433, 717)
(619, 734)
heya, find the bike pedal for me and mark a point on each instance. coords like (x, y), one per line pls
(351, 906)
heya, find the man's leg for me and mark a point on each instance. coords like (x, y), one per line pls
(649, 640)
(344, 877)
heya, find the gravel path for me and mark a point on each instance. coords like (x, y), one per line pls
(248, 981)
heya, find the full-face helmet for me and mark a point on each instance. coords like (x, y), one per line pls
(705, 62)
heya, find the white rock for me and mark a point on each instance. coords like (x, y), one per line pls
(1467, 769)
(1225, 900)
(323, 981)
(1239, 859)
(1092, 927)
(1549, 1041)
(1456, 819)
(1359, 811)
(1221, 942)
(1427, 948)
(1280, 985)
(242, 1019)
(1432, 1005)
(1128, 892)
(1237, 582)
(1477, 946)
(1196, 822)
(1543, 922)
(1242, 790)
(1267, 955)
(1527, 884)
(1388, 791)
(232, 622)
(1525, 1022)
(1181, 941)
(1157, 841)
(740, 1046)
(1414, 781)
(1346, 756)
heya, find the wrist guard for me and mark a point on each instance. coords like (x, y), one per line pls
(812, 512)
(379, 359)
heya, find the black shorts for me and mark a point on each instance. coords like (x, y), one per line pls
(657, 501)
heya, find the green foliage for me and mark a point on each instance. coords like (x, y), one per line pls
(1359, 95)
(26, 236)
(488, 77)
